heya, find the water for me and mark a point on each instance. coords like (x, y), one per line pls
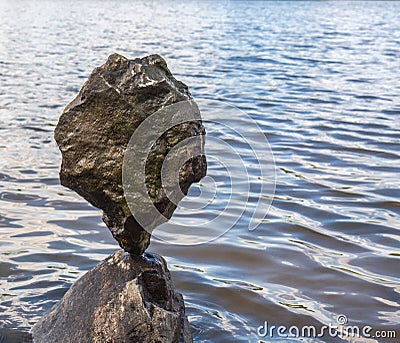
(320, 78)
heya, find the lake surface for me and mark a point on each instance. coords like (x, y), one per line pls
(322, 81)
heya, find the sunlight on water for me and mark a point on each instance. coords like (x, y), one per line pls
(320, 79)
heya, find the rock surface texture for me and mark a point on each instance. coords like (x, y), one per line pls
(125, 298)
(94, 131)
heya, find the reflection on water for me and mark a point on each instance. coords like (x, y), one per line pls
(321, 80)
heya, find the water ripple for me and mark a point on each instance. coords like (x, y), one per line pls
(320, 78)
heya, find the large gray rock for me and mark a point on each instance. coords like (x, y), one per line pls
(94, 131)
(123, 299)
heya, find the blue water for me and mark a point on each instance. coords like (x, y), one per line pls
(321, 80)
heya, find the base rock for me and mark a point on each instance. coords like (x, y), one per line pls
(125, 298)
